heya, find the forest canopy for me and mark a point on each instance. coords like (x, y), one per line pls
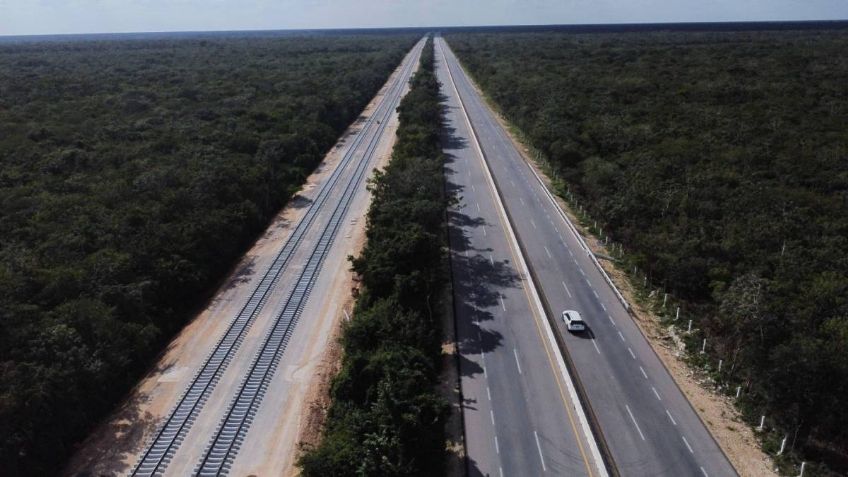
(387, 417)
(720, 161)
(133, 175)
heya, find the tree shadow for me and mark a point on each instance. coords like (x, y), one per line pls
(473, 470)
(242, 275)
(450, 141)
(112, 447)
(300, 201)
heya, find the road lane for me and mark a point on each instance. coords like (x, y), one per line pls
(517, 417)
(633, 411)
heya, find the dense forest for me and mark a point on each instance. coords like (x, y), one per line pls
(720, 161)
(133, 175)
(387, 417)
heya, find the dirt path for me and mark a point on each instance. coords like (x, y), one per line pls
(114, 446)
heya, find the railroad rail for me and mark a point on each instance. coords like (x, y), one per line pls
(224, 446)
(170, 435)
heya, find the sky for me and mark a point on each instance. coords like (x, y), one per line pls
(27, 17)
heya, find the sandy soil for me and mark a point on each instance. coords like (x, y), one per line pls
(317, 398)
(113, 447)
(724, 422)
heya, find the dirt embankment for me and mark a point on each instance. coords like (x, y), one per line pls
(721, 417)
(724, 422)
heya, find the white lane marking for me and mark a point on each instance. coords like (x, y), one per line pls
(484, 230)
(621, 336)
(548, 330)
(687, 445)
(631, 352)
(643, 372)
(634, 422)
(488, 393)
(569, 252)
(534, 223)
(604, 307)
(596, 294)
(497, 447)
(492, 415)
(584, 274)
(515, 353)
(483, 358)
(500, 470)
(478, 207)
(511, 183)
(522, 200)
(656, 393)
(670, 418)
(611, 320)
(567, 290)
(596, 346)
(539, 447)
(472, 188)
(548, 252)
(704, 472)
(502, 303)
(491, 260)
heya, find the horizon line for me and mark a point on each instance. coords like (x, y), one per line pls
(528, 25)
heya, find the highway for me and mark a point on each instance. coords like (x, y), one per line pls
(209, 423)
(648, 426)
(519, 416)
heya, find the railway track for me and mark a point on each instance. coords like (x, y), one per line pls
(170, 435)
(225, 445)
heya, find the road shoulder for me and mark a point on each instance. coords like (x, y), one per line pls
(718, 413)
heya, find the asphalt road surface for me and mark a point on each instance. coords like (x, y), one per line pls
(519, 417)
(649, 426)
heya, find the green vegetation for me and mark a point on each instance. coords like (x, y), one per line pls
(720, 161)
(133, 175)
(386, 416)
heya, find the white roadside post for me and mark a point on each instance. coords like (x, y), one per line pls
(803, 464)
(677, 315)
(738, 391)
(704, 346)
(782, 446)
(719, 365)
(762, 423)
(689, 330)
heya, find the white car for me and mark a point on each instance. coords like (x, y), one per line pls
(573, 321)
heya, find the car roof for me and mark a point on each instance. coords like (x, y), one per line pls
(574, 314)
